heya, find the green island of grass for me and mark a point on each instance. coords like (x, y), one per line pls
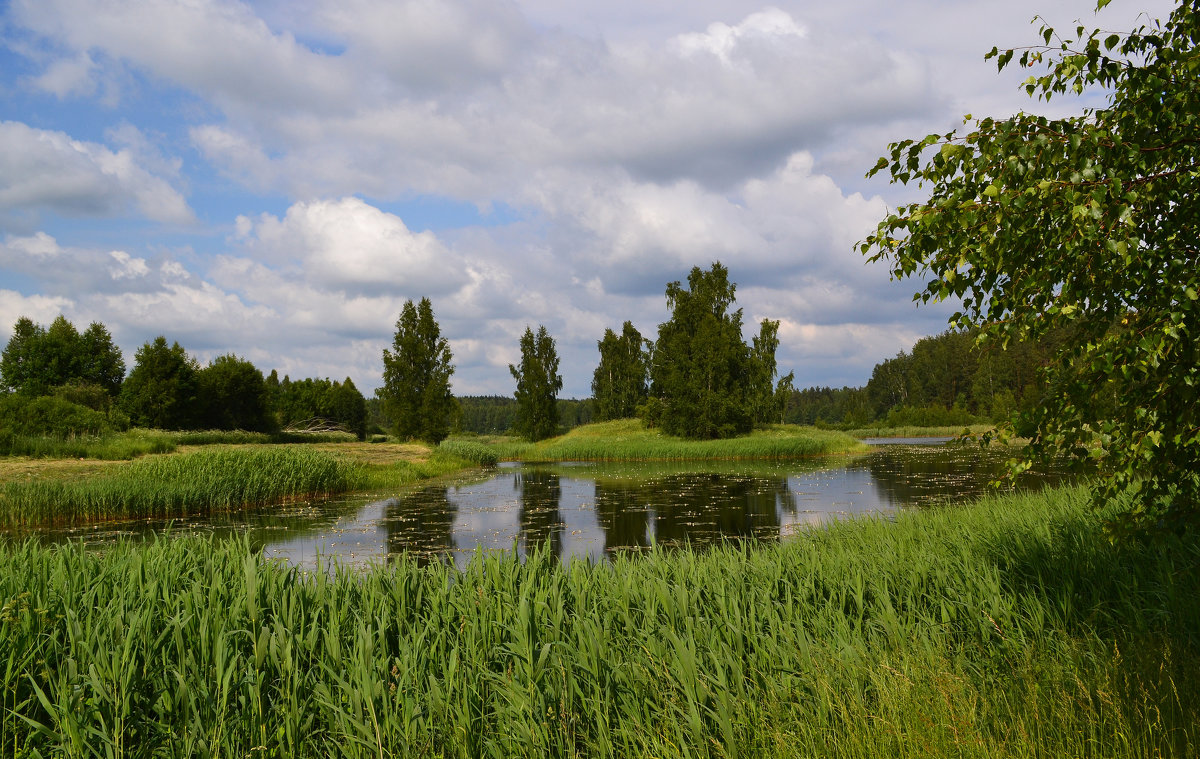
(632, 440)
(1012, 628)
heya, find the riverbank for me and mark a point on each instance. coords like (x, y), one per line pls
(1011, 628)
(919, 432)
(216, 477)
(632, 440)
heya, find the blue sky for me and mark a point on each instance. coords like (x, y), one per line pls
(273, 179)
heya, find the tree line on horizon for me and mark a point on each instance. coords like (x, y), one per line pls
(59, 381)
(699, 379)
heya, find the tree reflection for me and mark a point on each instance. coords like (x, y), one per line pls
(921, 475)
(539, 510)
(695, 508)
(623, 515)
(421, 525)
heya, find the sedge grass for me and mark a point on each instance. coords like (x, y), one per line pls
(469, 450)
(631, 440)
(219, 477)
(1014, 628)
(192, 483)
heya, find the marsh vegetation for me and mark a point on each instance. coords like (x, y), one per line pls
(1015, 628)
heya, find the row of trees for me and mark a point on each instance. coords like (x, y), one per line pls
(700, 379)
(166, 388)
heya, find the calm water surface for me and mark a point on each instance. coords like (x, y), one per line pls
(595, 510)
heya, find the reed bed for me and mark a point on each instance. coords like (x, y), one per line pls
(186, 484)
(1011, 629)
(399, 474)
(469, 450)
(631, 440)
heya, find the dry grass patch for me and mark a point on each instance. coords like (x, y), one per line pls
(25, 469)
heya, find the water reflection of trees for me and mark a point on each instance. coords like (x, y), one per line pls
(915, 475)
(539, 515)
(623, 516)
(422, 525)
(696, 508)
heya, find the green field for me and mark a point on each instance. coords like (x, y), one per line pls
(631, 440)
(1013, 628)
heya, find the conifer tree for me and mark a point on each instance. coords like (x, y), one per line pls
(416, 376)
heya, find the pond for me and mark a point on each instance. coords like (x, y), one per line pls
(592, 511)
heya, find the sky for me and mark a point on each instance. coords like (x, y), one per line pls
(274, 179)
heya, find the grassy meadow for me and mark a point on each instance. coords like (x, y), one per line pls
(1014, 628)
(632, 440)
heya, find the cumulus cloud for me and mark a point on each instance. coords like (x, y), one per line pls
(42, 309)
(787, 229)
(348, 245)
(72, 271)
(632, 141)
(465, 97)
(47, 170)
(218, 47)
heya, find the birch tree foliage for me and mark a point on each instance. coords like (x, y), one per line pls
(538, 384)
(1090, 222)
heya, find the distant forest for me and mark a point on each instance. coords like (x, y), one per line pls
(945, 380)
(78, 380)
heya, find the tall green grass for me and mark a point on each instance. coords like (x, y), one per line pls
(120, 446)
(131, 444)
(631, 440)
(469, 450)
(443, 461)
(1010, 629)
(190, 483)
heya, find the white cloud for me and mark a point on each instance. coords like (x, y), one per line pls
(47, 170)
(724, 41)
(466, 98)
(42, 309)
(218, 47)
(73, 271)
(68, 76)
(632, 141)
(429, 46)
(350, 246)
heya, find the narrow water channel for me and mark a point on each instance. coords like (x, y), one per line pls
(592, 511)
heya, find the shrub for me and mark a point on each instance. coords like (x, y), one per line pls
(51, 416)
